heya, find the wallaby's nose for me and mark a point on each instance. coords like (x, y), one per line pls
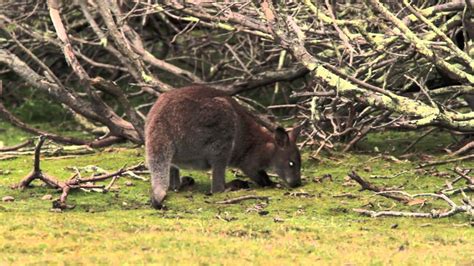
(295, 183)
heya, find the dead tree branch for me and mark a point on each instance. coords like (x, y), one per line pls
(65, 186)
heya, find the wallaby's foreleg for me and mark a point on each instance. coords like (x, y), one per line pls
(178, 182)
(175, 182)
(260, 177)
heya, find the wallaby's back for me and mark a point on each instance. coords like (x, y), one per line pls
(191, 123)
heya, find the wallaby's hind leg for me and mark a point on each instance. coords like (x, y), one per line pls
(218, 177)
(218, 163)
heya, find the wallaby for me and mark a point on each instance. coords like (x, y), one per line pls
(200, 127)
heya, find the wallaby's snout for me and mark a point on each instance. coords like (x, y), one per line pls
(295, 182)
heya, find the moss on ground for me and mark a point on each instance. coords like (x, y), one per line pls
(121, 228)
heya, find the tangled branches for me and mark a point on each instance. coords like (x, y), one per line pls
(467, 205)
(348, 67)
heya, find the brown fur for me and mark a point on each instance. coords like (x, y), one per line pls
(202, 128)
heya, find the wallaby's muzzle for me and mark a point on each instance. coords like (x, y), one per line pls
(294, 183)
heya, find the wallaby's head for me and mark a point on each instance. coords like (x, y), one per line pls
(287, 160)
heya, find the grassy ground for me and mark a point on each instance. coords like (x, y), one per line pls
(120, 227)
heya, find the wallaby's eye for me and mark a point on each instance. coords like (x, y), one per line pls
(291, 164)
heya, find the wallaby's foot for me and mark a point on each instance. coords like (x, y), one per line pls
(157, 199)
(186, 182)
(218, 179)
(217, 188)
(237, 184)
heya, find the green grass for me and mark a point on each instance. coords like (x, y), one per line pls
(121, 228)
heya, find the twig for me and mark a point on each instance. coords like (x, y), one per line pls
(467, 208)
(418, 139)
(469, 179)
(107, 188)
(464, 149)
(246, 197)
(16, 147)
(382, 191)
(463, 158)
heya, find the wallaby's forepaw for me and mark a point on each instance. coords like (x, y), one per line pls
(266, 183)
(270, 184)
(237, 184)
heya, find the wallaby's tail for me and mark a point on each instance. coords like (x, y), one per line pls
(159, 163)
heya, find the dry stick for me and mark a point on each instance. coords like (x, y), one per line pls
(66, 186)
(382, 191)
(469, 179)
(463, 158)
(364, 131)
(59, 94)
(107, 176)
(455, 191)
(462, 175)
(467, 208)
(418, 139)
(36, 173)
(16, 147)
(263, 79)
(313, 93)
(239, 199)
(464, 149)
(107, 188)
(448, 41)
(12, 119)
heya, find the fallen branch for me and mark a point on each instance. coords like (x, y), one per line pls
(469, 180)
(465, 208)
(12, 119)
(463, 158)
(239, 199)
(16, 147)
(469, 146)
(380, 190)
(75, 182)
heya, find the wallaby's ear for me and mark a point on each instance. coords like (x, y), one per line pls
(281, 137)
(295, 132)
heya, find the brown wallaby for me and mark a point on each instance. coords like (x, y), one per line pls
(202, 128)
